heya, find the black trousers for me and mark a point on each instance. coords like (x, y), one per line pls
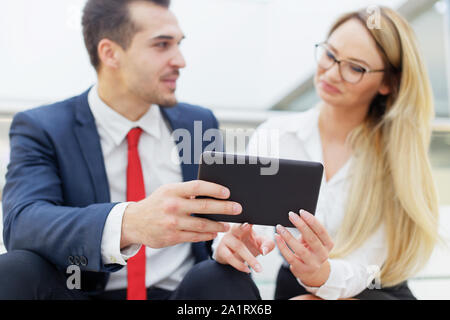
(213, 281)
(287, 287)
(25, 275)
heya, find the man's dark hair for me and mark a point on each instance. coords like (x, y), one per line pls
(109, 19)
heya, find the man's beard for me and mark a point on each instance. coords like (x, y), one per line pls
(167, 101)
(158, 98)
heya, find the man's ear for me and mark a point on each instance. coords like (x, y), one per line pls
(108, 53)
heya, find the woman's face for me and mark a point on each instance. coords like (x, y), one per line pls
(351, 42)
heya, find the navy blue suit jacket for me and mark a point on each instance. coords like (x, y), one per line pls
(56, 198)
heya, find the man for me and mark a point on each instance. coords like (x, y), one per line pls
(91, 180)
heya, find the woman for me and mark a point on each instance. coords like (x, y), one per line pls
(378, 207)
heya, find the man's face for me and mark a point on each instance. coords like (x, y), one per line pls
(151, 65)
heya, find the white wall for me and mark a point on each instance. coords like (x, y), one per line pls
(240, 53)
(42, 53)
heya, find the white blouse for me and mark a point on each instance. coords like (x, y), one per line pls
(297, 137)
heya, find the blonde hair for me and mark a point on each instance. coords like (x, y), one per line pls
(392, 182)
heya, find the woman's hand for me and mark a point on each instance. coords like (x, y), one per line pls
(241, 245)
(308, 255)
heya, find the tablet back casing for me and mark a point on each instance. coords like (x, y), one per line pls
(265, 199)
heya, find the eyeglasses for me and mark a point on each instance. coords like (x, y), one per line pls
(350, 71)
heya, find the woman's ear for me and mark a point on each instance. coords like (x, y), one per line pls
(384, 90)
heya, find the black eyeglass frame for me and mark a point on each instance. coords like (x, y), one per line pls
(336, 60)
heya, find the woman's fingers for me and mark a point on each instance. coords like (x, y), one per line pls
(241, 230)
(310, 237)
(265, 244)
(318, 229)
(296, 248)
(288, 255)
(307, 255)
(255, 242)
(297, 265)
(246, 234)
(230, 258)
(240, 249)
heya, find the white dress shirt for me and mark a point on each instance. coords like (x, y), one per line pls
(299, 139)
(165, 268)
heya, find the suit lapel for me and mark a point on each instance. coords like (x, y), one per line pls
(89, 142)
(200, 250)
(176, 121)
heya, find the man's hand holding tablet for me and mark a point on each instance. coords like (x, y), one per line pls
(164, 218)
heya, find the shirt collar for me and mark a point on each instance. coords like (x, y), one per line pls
(305, 124)
(116, 125)
(306, 128)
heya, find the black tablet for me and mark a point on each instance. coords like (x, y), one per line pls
(267, 188)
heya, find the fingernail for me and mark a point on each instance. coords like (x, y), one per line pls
(264, 251)
(305, 214)
(294, 216)
(258, 268)
(237, 208)
(226, 227)
(281, 229)
(225, 192)
(244, 225)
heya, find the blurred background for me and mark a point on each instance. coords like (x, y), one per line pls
(247, 60)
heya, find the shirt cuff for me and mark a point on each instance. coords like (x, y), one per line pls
(332, 289)
(110, 246)
(216, 243)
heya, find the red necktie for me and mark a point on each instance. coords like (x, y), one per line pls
(135, 192)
